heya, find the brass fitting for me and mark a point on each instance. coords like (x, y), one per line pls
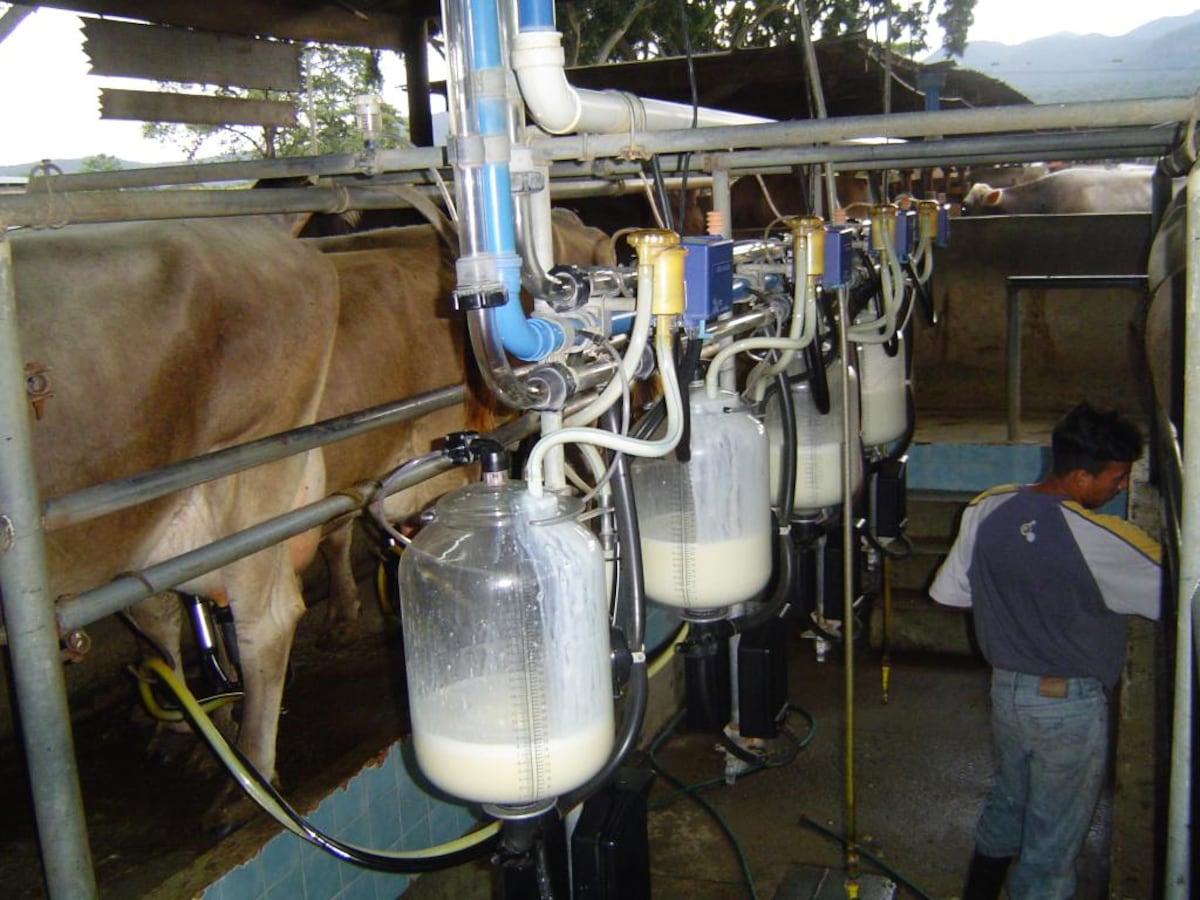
(808, 238)
(668, 297)
(883, 222)
(647, 243)
(927, 218)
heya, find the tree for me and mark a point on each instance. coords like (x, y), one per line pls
(599, 31)
(101, 162)
(334, 77)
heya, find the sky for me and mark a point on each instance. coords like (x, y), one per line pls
(50, 105)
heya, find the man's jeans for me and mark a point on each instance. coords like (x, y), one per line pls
(1050, 763)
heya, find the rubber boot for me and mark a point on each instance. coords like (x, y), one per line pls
(986, 876)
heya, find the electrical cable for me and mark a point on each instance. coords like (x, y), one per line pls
(452, 853)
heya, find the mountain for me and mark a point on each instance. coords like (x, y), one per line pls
(1158, 59)
(68, 166)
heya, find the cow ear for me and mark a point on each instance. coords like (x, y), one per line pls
(992, 198)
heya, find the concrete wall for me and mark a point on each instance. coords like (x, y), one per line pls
(1076, 344)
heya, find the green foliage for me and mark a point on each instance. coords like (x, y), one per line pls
(334, 76)
(101, 162)
(598, 31)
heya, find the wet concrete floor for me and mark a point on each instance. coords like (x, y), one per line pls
(921, 763)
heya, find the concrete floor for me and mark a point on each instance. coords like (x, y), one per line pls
(921, 764)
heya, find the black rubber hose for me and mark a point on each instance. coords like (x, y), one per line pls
(818, 378)
(631, 589)
(924, 296)
(660, 188)
(685, 370)
(787, 421)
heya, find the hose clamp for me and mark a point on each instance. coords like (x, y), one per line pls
(488, 296)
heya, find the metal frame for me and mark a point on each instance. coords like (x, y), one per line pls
(29, 614)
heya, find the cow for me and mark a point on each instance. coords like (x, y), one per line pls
(394, 340)
(162, 341)
(1075, 190)
(240, 331)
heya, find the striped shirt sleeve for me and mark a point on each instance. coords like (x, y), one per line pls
(951, 586)
(1125, 561)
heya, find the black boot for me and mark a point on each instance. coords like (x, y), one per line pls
(985, 877)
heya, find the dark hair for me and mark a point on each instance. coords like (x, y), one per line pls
(1088, 438)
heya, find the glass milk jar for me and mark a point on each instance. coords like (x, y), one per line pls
(818, 443)
(706, 524)
(506, 646)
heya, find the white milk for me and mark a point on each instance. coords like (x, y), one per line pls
(884, 414)
(818, 475)
(502, 773)
(706, 575)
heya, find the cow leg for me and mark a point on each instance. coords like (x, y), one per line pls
(161, 619)
(343, 614)
(267, 606)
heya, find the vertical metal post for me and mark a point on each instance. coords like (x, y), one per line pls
(1179, 808)
(722, 203)
(1012, 346)
(32, 629)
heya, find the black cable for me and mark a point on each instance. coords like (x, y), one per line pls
(660, 188)
(684, 160)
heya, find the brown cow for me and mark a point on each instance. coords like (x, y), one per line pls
(165, 340)
(394, 340)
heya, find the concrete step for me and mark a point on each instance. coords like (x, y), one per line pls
(917, 623)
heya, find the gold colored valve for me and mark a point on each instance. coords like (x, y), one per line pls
(883, 222)
(647, 243)
(808, 238)
(927, 218)
(668, 297)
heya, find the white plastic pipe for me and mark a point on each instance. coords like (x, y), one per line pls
(560, 108)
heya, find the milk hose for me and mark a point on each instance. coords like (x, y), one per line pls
(631, 586)
(461, 850)
(146, 690)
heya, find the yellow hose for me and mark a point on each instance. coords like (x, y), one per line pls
(241, 773)
(660, 662)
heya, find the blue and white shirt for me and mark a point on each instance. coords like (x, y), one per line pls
(1050, 582)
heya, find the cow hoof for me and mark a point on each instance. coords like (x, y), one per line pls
(341, 634)
(230, 811)
(167, 747)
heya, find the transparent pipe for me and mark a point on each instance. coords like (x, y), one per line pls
(482, 118)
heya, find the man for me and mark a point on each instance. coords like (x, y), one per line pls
(1051, 583)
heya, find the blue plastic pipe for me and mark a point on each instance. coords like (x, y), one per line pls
(526, 339)
(535, 15)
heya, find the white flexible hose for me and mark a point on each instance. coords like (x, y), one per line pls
(638, 336)
(598, 437)
(712, 379)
